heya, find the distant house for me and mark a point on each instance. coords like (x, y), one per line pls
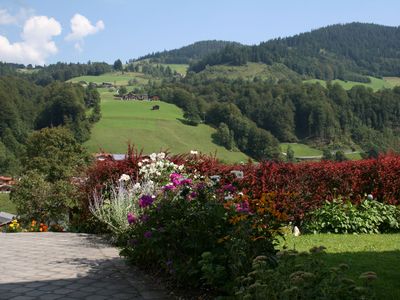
(6, 183)
(133, 96)
(104, 156)
(154, 98)
(107, 85)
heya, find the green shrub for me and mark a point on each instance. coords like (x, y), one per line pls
(38, 199)
(339, 216)
(302, 276)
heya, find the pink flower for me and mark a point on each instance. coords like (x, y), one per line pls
(175, 176)
(132, 219)
(243, 207)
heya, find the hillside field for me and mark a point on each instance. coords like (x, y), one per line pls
(375, 84)
(151, 131)
(116, 78)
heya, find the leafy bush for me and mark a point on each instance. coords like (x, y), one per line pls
(339, 216)
(38, 199)
(302, 276)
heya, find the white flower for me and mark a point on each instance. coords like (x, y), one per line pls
(136, 186)
(140, 164)
(124, 177)
(161, 155)
(296, 231)
(180, 167)
(370, 197)
(153, 156)
(193, 152)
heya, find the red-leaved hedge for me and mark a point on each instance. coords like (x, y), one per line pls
(294, 189)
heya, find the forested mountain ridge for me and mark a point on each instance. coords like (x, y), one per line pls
(189, 53)
(26, 107)
(342, 51)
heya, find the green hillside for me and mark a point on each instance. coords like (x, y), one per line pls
(134, 121)
(273, 72)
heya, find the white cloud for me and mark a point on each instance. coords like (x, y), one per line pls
(6, 18)
(80, 28)
(36, 44)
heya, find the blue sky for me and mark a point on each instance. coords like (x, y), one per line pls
(39, 31)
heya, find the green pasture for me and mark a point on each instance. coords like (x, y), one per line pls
(6, 205)
(180, 68)
(116, 78)
(273, 72)
(375, 84)
(379, 253)
(164, 129)
(301, 149)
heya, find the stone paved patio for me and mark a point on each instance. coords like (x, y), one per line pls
(68, 266)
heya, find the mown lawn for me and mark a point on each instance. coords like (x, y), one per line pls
(6, 205)
(365, 252)
(152, 131)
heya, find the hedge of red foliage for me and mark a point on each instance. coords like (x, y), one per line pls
(290, 189)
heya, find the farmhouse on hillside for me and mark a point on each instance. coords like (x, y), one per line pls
(6, 183)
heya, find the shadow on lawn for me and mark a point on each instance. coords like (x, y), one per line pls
(386, 264)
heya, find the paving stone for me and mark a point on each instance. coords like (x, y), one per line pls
(68, 266)
(22, 298)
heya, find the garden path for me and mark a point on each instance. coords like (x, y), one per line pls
(68, 266)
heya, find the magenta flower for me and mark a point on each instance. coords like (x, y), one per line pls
(175, 176)
(186, 181)
(145, 200)
(147, 234)
(229, 188)
(243, 207)
(168, 187)
(132, 219)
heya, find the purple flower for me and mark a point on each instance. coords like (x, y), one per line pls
(168, 187)
(193, 195)
(144, 218)
(201, 186)
(229, 188)
(147, 234)
(132, 219)
(145, 200)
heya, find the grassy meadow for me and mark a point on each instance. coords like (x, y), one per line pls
(6, 205)
(135, 122)
(251, 70)
(379, 253)
(301, 149)
(116, 78)
(375, 84)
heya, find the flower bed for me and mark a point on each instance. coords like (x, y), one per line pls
(290, 191)
(201, 222)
